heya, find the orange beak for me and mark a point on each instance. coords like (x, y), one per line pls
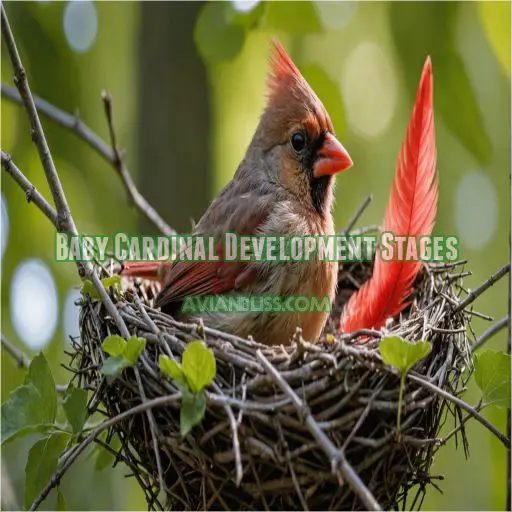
(332, 158)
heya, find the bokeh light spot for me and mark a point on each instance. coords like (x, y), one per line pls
(34, 303)
(244, 5)
(369, 89)
(335, 15)
(71, 314)
(476, 209)
(4, 227)
(80, 24)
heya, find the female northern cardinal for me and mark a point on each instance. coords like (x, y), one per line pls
(283, 186)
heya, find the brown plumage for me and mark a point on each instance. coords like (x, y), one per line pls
(283, 186)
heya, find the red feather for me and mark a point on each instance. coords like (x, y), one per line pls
(411, 211)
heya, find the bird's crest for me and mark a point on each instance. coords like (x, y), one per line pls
(285, 74)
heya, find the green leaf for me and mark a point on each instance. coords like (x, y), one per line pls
(114, 345)
(173, 370)
(402, 354)
(134, 349)
(296, 18)
(40, 375)
(75, 407)
(42, 462)
(61, 501)
(492, 374)
(105, 458)
(217, 40)
(113, 366)
(192, 412)
(329, 92)
(89, 289)
(198, 365)
(495, 17)
(23, 413)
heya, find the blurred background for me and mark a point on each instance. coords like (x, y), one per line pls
(188, 84)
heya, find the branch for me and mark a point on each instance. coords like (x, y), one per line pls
(463, 405)
(481, 289)
(64, 220)
(357, 215)
(56, 478)
(74, 124)
(490, 332)
(336, 456)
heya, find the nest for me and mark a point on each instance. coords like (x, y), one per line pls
(305, 426)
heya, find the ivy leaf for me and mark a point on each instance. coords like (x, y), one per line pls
(217, 40)
(114, 345)
(402, 354)
(42, 462)
(296, 18)
(40, 375)
(75, 407)
(192, 412)
(492, 374)
(61, 501)
(113, 366)
(134, 349)
(198, 365)
(173, 370)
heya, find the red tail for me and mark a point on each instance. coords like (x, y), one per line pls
(411, 211)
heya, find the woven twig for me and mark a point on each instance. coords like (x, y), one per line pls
(286, 427)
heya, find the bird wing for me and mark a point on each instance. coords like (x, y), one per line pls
(411, 210)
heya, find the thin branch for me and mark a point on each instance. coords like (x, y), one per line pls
(74, 124)
(336, 456)
(481, 289)
(32, 194)
(463, 405)
(490, 332)
(64, 220)
(56, 478)
(357, 215)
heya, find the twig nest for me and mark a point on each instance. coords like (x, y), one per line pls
(256, 447)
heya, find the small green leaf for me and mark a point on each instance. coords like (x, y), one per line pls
(403, 354)
(114, 345)
(172, 369)
(89, 289)
(42, 462)
(40, 375)
(217, 40)
(192, 412)
(134, 349)
(198, 364)
(23, 413)
(113, 366)
(61, 501)
(75, 407)
(296, 18)
(492, 374)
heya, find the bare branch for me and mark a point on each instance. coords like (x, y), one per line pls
(357, 215)
(74, 124)
(21, 359)
(336, 456)
(490, 332)
(78, 449)
(481, 289)
(64, 219)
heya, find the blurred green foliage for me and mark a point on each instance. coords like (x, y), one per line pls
(469, 43)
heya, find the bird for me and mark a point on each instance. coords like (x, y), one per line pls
(411, 211)
(283, 186)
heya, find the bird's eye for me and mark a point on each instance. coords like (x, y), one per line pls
(298, 141)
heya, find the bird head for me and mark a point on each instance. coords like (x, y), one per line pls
(295, 137)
